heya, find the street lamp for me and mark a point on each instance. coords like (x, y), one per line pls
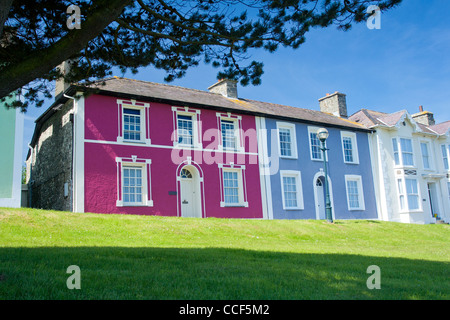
(323, 134)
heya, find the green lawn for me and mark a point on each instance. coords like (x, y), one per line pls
(142, 257)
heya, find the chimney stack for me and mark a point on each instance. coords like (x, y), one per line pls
(61, 85)
(424, 117)
(335, 104)
(225, 87)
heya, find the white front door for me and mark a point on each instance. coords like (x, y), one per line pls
(320, 198)
(432, 195)
(187, 201)
(190, 204)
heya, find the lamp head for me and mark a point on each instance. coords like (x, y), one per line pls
(322, 134)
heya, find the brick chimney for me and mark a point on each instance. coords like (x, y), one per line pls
(424, 117)
(335, 104)
(225, 87)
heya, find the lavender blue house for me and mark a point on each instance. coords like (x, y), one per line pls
(294, 174)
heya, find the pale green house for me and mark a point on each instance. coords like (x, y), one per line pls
(11, 140)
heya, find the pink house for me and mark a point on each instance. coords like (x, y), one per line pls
(152, 149)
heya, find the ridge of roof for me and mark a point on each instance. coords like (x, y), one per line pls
(215, 100)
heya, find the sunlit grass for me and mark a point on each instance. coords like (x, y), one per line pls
(147, 257)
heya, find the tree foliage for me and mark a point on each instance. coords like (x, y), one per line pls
(172, 35)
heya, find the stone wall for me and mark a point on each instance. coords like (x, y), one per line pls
(51, 163)
(334, 104)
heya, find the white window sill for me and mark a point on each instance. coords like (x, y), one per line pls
(234, 205)
(411, 211)
(135, 142)
(354, 162)
(122, 204)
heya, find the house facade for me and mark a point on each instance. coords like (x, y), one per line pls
(410, 165)
(158, 153)
(11, 131)
(136, 147)
(296, 165)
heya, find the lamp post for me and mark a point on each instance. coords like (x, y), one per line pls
(322, 134)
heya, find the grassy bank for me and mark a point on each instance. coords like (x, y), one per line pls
(137, 257)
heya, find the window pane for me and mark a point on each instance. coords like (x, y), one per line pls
(132, 124)
(425, 155)
(131, 111)
(413, 194)
(228, 134)
(448, 187)
(395, 147)
(353, 194)
(445, 156)
(132, 185)
(407, 153)
(285, 142)
(406, 145)
(231, 187)
(413, 202)
(185, 132)
(315, 146)
(348, 149)
(400, 192)
(290, 192)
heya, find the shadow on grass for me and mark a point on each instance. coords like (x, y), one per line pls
(212, 273)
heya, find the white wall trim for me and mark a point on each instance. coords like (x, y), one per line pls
(78, 154)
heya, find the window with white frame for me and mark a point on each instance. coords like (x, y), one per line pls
(186, 127)
(403, 147)
(132, 185)
(350, 147)
(426, 157)
(412, 191)
(409, 196)
(315, 144)
(231, 188)
(291, 190)
(401, 194)
(133, 122)
(229, 134)
(355, 194)
(133, 182)
(287, 144)
(230, 126)
(445, 156)
(407, 152)
(233, 191)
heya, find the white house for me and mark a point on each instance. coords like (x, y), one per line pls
(410, 160)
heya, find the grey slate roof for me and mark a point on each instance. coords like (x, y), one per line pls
(441, 128)
(370, 119)
(143, 90)
(179, 96)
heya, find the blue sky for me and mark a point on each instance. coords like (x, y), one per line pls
(403, 65)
